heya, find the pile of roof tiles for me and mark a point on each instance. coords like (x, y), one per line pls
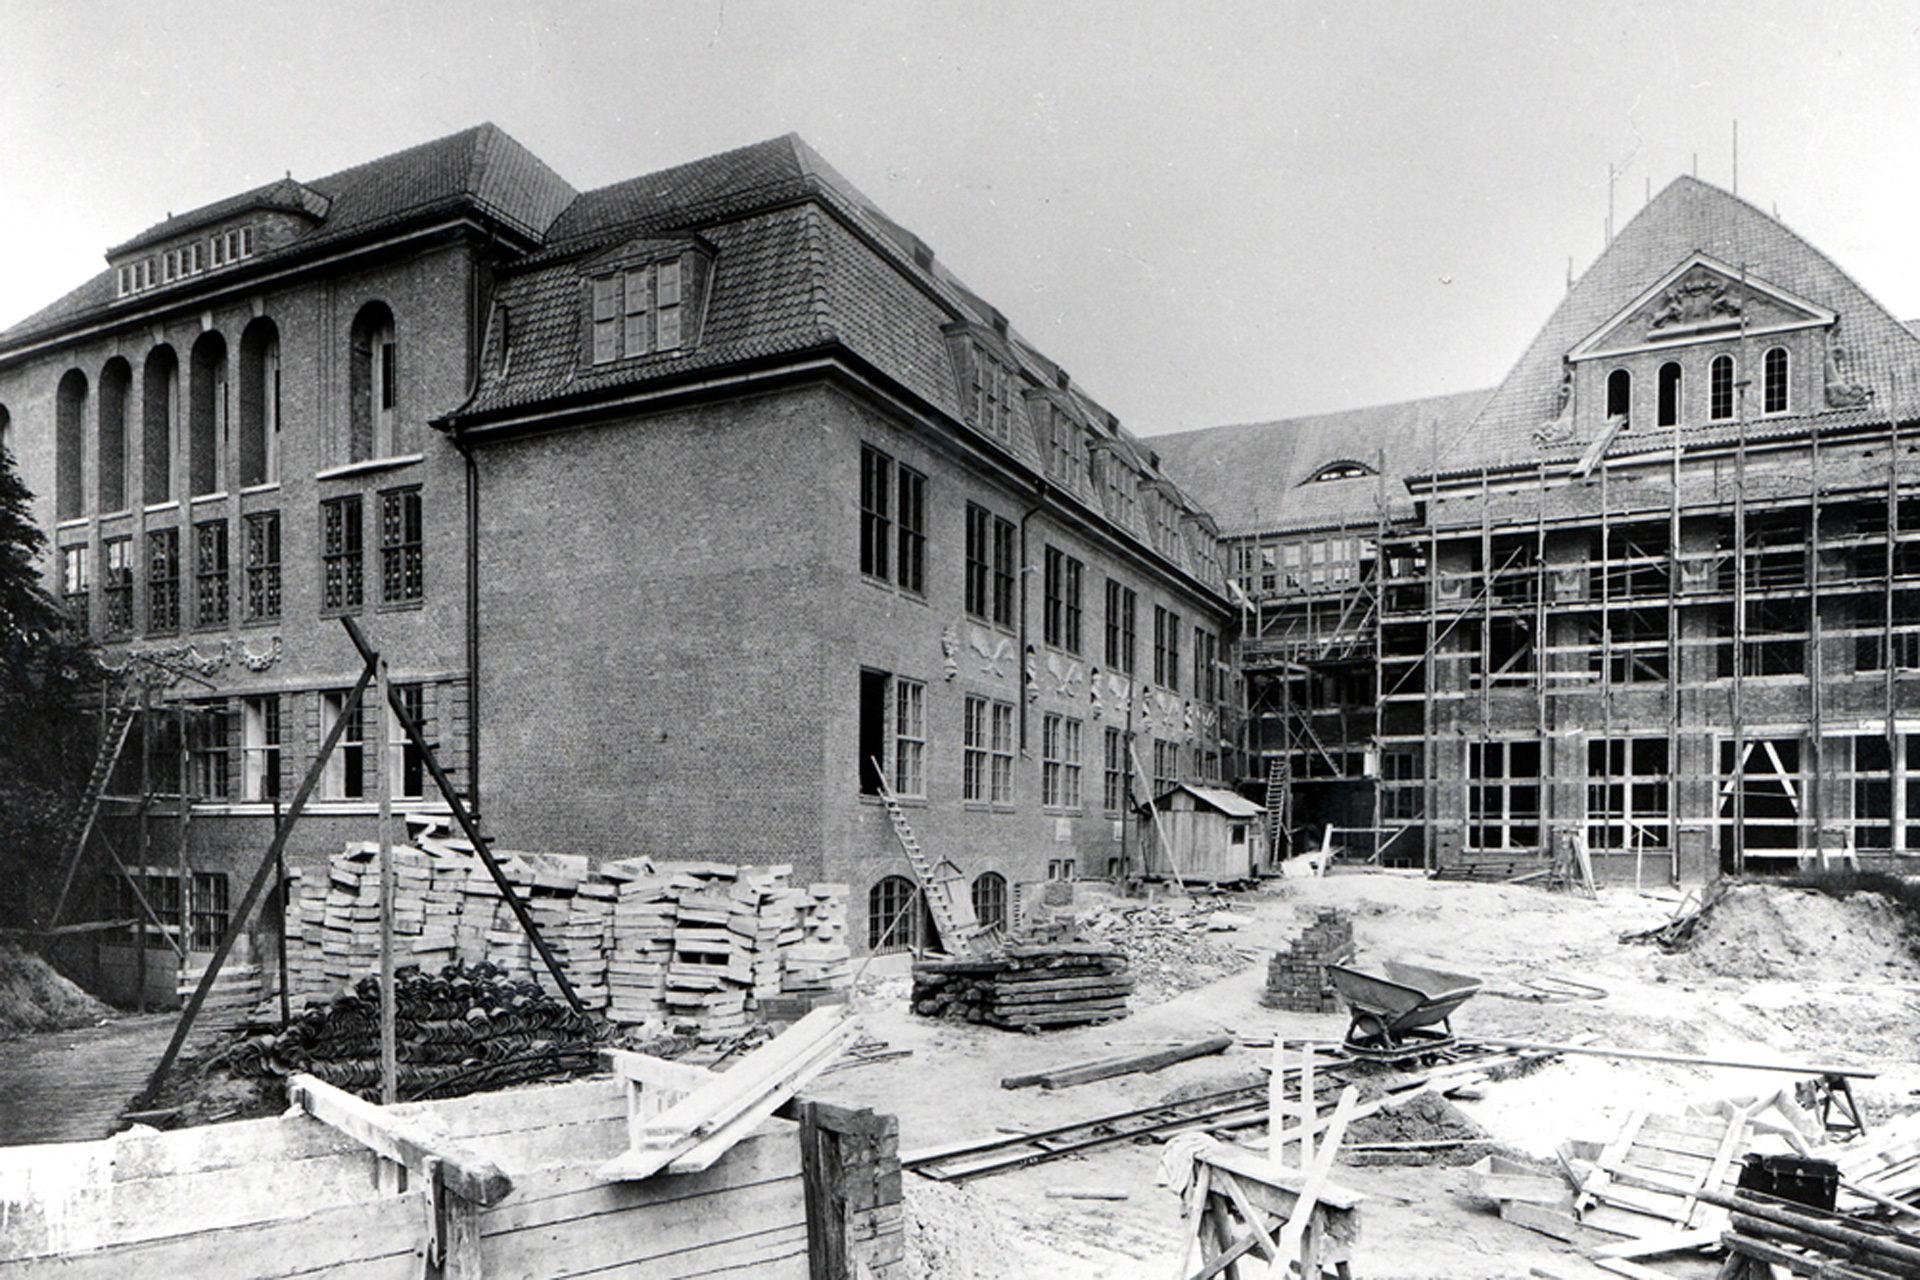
(465, 1029)
(692, 944)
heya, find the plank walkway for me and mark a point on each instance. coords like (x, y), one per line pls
(71, 1086)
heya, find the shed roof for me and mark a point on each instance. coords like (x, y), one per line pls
(1231, 803)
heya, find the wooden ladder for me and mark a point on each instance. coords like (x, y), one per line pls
(1277, 785)
(952, 913)
(113, 740)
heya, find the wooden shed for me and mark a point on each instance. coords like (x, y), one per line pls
(1217, 835)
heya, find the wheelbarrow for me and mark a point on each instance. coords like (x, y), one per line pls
(1401, 1012)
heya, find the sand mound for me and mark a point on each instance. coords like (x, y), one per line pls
(1760, 931)
(35, 998)
(951, 1234)
(1425, 1129)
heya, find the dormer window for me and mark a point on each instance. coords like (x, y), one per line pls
(638, 311)
(991, 411)
(1341, 471)
(168, 266)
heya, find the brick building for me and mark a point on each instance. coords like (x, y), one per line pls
(1660, 589)
(679, 508)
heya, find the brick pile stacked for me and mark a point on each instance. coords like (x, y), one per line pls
(1027, 986)
(1297, 978)
(696, 944)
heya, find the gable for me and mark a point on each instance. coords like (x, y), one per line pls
(1700, 300)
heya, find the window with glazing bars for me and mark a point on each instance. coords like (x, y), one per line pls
(1059, 762)
(402, 577)
(210, 584)
(73, 581)
(210, 909)
(1062, 615)
(163, 580)
(263, 565)
(1166, 648)
(1113, 793)
(342, 554)
(1122, 603)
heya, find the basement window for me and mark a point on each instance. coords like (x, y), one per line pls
(990, 900)
(894, 911)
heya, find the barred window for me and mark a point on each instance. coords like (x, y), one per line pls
(210, 587)
(342, 556)
(210, 909)
(163, 580)
(263, 565)
(402, 580)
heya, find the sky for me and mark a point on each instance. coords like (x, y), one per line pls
(1206, 212)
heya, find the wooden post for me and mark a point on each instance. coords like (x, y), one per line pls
(383, 784)
(824, 1179)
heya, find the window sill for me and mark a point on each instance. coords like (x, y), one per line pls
(78, 522)
(400, 606)
(983, 806)
(255, 624)
(157, 507)
(125, 513)
(269, 486)
(369, 467)
(198, 498)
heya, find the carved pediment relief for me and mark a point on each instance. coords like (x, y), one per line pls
(1701, 300)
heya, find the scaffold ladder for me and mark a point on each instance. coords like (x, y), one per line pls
(113, 740)
(952, 912)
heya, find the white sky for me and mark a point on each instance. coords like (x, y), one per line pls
(1207, 212)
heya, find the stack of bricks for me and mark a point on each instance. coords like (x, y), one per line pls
(696, 944)
(1297, 978)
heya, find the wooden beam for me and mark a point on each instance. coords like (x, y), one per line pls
(1648, 1055)
(1125, 1064)
(466, 1174)
(824, 1178)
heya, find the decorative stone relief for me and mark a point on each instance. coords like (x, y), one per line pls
(1559, 429)
(174, 662)
(1843, 392)
(1698, 299)
(1066, 675)
(993, 650)
(1033, 677)
(950, 651)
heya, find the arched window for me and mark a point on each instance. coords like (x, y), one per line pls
(1619, 393)
(260, 403)
(1670, 394)
(70, 407)
(1345, 469)
(1776, 380)
(115, 381)
(990, 900)
(893, 915)
(373, 385)
(207, 423)
(159, 388)
(1720, 388)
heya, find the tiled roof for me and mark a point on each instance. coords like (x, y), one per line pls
(481, 168)
(282, 194)
(1255, 477)
(1689, 216)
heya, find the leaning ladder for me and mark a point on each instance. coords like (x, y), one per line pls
(952, 913)
(1277, 788)
(113, 740)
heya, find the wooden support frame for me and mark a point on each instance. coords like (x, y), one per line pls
(423, 1151)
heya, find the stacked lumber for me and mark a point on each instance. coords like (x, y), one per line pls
(1770, 1236)
(1062, 984)
(1884, 1162)
(697, 944)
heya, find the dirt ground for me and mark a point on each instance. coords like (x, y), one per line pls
(1832, 982)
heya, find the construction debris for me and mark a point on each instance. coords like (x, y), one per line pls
(1026, 986)
(1169, 949)
(468, 1029)
(699, 943)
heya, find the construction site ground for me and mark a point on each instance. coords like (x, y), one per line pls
(1774, 975)
(1785, 976)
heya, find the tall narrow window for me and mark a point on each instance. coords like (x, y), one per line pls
(259, 444)
(159, 391)
(115, 382)
(402, 572)
(1001, 790)
(69, 446)
(163, 580)
(210, 573)
(1720, 388)
(1166, 648)
(346, 773)
(263, 565)
(667, 304)
(1113, 793)
(260, 755)
(373, 385)
(116, 581)
(873, 730)
(211, 745)
(978, 569)
(911, 563)
(1670, 394)
(74, 582)
(987, 751)
(973, 753)
(1775, 373)
(1060, 762)
(876, 506)
(909, 738)
(1062, 594)
(207, 416)
(342, 559)
(407, 761)
(1122, 603)
(1619, 393)
(1003, 575)
(209, 909)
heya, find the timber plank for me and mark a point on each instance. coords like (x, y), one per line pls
(374, 1238)
(768, 1156)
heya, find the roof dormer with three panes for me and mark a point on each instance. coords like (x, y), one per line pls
(645, 298)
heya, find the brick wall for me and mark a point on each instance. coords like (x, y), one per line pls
(1297, 977)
